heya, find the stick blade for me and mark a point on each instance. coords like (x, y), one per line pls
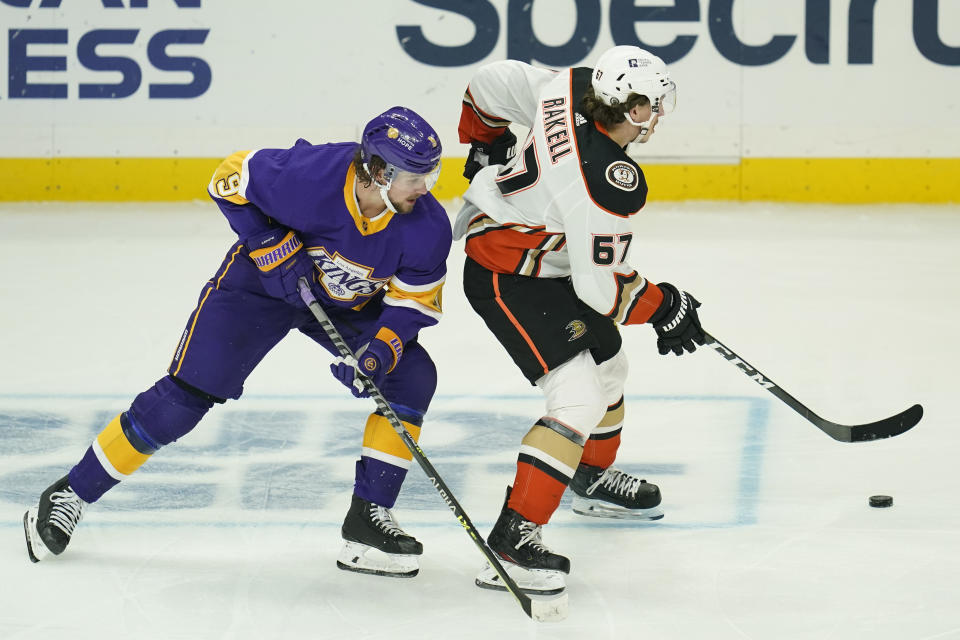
(549, 610)
(886, 428)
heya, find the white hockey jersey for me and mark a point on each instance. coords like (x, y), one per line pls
(562, 207)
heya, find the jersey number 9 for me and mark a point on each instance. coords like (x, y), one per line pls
(228, 186)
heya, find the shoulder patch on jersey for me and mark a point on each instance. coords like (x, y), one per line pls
(615, 182)
(622, 175)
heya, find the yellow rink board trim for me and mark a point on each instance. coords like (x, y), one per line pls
(837, 180)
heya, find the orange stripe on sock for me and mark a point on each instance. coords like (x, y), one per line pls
(513, 320)
(601, 453)
(535, 495)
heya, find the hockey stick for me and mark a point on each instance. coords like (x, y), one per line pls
(551, 610)
(886, 428)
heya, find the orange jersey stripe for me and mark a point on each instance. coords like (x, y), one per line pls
(505, 250)
(645, 305)
(476, 124)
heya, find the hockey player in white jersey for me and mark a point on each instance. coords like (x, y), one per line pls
(548, 232)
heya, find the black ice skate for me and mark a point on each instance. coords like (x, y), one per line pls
(49, 526)
(611, 493)
(534, 567)
(374, 543)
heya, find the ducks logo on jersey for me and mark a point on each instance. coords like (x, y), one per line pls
(577, 329)
(622, 175)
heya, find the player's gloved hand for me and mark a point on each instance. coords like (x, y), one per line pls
(482, 154)
(676, 321)
(375, 359)
(279, 256)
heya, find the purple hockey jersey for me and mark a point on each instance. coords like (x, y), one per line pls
(311, 189)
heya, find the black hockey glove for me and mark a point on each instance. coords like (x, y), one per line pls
(483, 154)
(676, 321)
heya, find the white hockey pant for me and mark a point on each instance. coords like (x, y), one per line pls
(579, 391)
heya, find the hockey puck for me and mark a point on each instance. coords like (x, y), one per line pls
(881, 501)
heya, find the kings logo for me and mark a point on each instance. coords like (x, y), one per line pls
(343, 279)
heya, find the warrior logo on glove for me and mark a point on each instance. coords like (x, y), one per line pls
(676, 322)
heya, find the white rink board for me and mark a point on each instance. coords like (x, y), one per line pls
(319, 70)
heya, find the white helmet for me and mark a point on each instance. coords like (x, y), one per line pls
(623, 70)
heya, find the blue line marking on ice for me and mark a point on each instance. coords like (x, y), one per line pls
(744, 511)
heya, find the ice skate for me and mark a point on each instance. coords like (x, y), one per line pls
(374, 543)
(611, 493)
(535, 568)
(49, 526)
(542, 582)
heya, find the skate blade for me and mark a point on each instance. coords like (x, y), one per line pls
(35, 547)
(362, 558)
(542, 582)
(599, 509)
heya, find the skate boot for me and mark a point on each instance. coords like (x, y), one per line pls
(534, 567)
(49, 526)
(611, 493)
(374, 543)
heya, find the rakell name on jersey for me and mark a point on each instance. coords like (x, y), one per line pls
(555, 128)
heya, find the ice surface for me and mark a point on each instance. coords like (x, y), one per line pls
(232, 532)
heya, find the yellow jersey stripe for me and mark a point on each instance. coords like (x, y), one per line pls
(365, 225)
(229, 179)
(429, 301)
(196, 314)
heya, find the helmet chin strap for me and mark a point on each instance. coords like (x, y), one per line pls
(646, 128)
(386, 199)
(383, 189)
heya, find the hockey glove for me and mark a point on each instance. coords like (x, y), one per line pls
(376, 358)
(676, 321)
(277, 253)
(483, 154)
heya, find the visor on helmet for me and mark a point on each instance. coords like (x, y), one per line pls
(394, 175)
(413, 180)
(666, 103)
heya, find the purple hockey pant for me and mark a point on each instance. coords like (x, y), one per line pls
(234, 325)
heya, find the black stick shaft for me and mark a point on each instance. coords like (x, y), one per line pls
(886, 428)
(414, 448)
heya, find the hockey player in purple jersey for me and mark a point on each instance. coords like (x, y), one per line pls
(359, 222)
